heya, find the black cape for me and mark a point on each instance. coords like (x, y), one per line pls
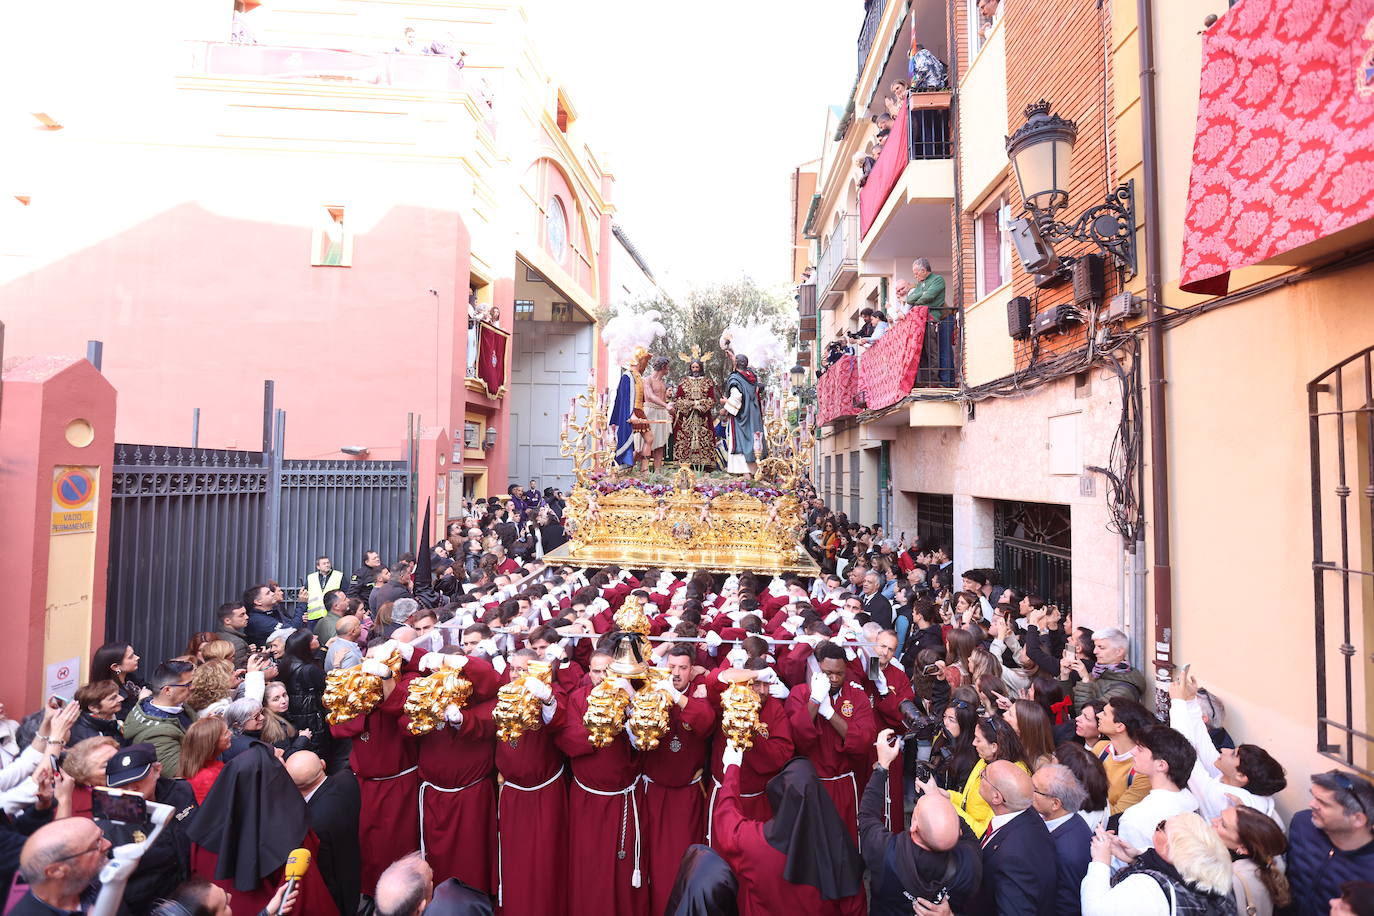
(807, 829)
(705, 885)
(454, 898)
(252, 818)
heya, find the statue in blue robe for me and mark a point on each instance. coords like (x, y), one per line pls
(746, 440)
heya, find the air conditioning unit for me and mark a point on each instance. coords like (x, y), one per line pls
(1089, 280)
(1054, 320)
(1019, 317)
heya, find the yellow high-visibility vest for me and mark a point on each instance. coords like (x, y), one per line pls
(314, 609)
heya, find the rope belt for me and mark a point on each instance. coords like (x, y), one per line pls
(711, 805)
(395, 776)
(438, 788)
(853, 784)
(696, 780)
(628, 804)
(507, 784)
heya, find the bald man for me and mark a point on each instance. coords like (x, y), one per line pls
(937, 851)
(333, 802)
(1019, 862)
(60, 860)
(405, 888)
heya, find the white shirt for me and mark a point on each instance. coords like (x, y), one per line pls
(1138, 895)
(1185, 717)
(1053, 825)
(998, 821)
(1138, 822)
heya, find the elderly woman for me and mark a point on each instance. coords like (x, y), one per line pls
(1187, 870)
(100, 703)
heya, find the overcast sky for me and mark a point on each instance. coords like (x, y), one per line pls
(703, 110)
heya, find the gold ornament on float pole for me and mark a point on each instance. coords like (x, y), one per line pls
(650, 711)
(352, 692)
(605, 716)
(739, 711)
(429, 698)
(517, 710)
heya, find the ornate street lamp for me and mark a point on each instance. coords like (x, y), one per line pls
(1041, 155)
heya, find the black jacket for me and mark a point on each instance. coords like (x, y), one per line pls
(1073, 841)
(1019, 870)
(304, 689)
(88, 726)
(334, 818)
(898, 866)
(879, 608)
(13, 832)
(360, 583)
(382, 594)
(167, 862)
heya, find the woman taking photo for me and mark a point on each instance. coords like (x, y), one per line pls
(952, 756)
(1187, 871)
(1257, 846)
(304, 682)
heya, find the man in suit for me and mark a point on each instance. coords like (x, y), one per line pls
(1019, 867)
(877, 607)
(1058, 797)
(333, 802)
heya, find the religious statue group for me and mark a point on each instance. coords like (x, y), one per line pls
(690, 421)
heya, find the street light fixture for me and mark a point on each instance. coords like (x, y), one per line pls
(1041, 155)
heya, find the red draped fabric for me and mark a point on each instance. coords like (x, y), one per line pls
(884, 174)
(491, 358)
(836, 389)
(887, 370)
(1284, 153)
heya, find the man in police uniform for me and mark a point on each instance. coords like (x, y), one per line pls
(325, 578)
(167, 862)
(365, 576)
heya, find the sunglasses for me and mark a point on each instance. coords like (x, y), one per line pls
(1349, 786)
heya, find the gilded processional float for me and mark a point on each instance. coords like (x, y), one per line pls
(688, 516)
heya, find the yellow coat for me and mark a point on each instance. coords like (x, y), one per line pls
(969, 802)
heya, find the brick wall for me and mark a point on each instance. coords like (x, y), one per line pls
(1055, 52)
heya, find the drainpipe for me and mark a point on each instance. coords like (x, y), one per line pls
(1159, 451)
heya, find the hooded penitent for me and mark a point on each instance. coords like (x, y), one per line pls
(806, 828)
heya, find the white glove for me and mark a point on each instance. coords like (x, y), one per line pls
(827, 709)
(372, 666)
(622, 684)
(666, 686)
(880, 682)
(820, 687)
(831, 617)
(779, 691)
(767, 676)
(431, 661)
(555, 652)
(488, 646)
(453, 715)
(793, 622)
(737, 657)
(713, 639)
(538, 689)
(731, 757)
(498, 664)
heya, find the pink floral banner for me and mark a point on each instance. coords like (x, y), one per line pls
(1284, 152)
(887, 370)
(881, 178)
(836, 389)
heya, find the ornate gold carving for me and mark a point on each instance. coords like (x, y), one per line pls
(430, 697)
(739, 714)
(650, 711)
(517, 710)
(605, 715)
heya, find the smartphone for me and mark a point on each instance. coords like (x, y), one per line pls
(56, 702)
(118, 805)
(931, 670)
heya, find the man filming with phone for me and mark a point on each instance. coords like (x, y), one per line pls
(936, 858)
(167, 862)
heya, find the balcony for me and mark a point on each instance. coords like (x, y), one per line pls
(806, 309)
(836, 391)
(922, 137)
(839, 263)
(873, 17)
(890, 368)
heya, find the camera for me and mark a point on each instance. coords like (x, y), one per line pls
(923, 772)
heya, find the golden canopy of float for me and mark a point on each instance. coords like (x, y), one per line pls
(684, 520)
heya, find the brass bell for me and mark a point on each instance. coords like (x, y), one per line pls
(630, 660)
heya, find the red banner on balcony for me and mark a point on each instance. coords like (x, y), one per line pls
(1284, 153)
(887, 370)
(836, 389)
(884, 174)
(491, 358)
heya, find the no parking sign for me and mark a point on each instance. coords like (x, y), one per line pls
(73, 499)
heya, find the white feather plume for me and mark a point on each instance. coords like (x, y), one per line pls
(765, 348)
(629, 330)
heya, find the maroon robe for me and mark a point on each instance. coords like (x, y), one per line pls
(763, 891)
(887, 713)
(611, 872)
(458, 799)
(384, 760)
(762, 762)
(532, 804)
(674, 800)
(836, 759)
(314, 894)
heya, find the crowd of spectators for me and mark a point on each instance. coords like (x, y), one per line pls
(961, 747)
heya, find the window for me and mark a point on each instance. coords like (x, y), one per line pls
(524, 309)
(854, 486)
(1032, 545)
(556, 230)
(825, 487)
(935, 520)
(982, 16)
(332, 244)
(991, 248)
(562, 311)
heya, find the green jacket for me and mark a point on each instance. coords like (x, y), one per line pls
(162, 730)
(1132, 684)
(326, 628)
(930, 292)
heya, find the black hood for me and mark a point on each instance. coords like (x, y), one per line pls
(252, 818)
(705, 885)
(807, 829)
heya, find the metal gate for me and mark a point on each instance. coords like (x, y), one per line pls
(192, 528)
(1341, 430)
(1032, 548)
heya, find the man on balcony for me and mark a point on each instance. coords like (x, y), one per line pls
(929, 290)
